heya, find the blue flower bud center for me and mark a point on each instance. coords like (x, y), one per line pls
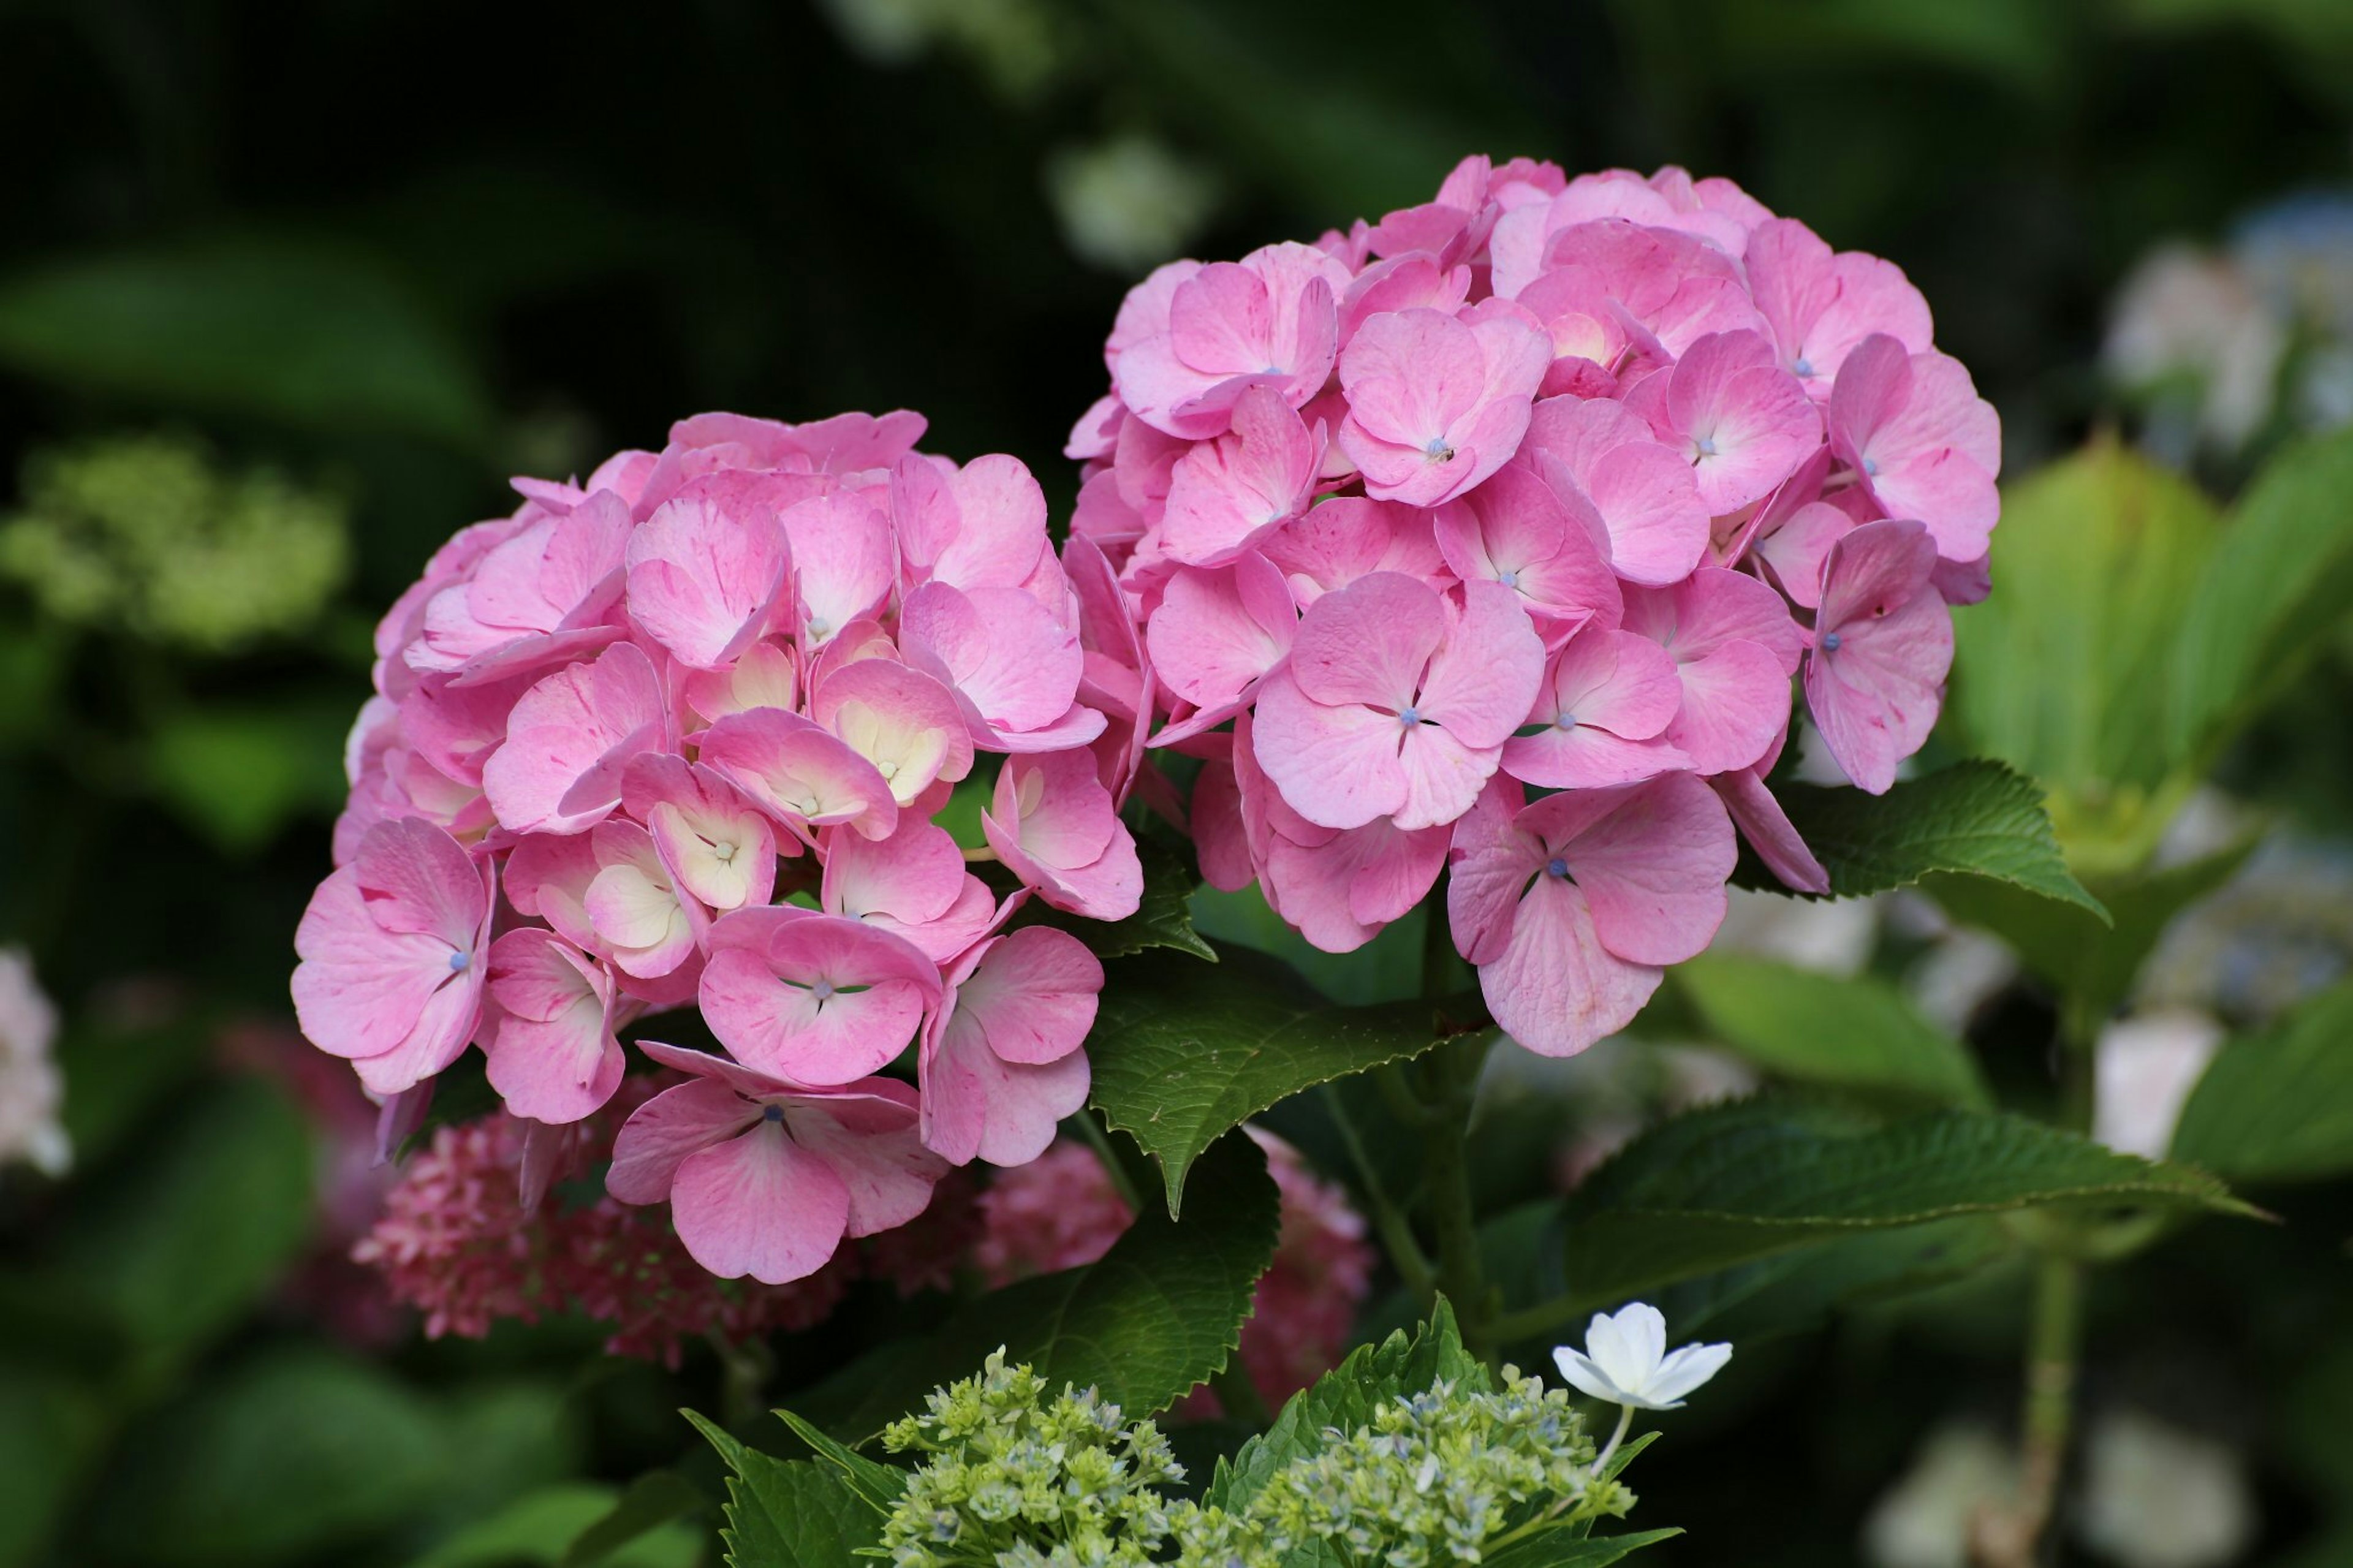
(1556, 867)
(1410, 718)
(1803, 367)
(1508, 579)
(1871, 466)
(1706, 446)
(460, 961)
(1567, 720)
(822, 990)
(1830, 642)
(772, 1113)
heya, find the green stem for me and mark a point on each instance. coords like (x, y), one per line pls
(1452, 1075)
(1397, 1234)
(1114, 1170)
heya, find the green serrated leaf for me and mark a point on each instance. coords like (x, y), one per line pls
(788, 1513)
(1858, 1034)
(879, 1484)
(1179, 1062)
(1156, 1316)
(1346, 1398)
(1976, 817)
(2278, 1107)
(1163, 919)
(2091, 965)
(1560, 1549)
(2281, 576)
(1730, 1183)
(1792, 1292)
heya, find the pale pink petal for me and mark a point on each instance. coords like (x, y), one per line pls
(718, 846)
(1651, 860)
(902, 720)
(554, 1057)
(801, 774)
(818, 999)
(761, 1205)
(1876, 680)
(569, 739)
(844, 561)
(871, 1141)
(1770, 832)
(1554, 987)
(1003, 653)
(1216, 633)
(660, 1133)
(1226, 495)
(702, 581)
(1483, 680)
(1336, 766)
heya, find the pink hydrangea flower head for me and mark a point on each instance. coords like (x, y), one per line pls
(752, 667)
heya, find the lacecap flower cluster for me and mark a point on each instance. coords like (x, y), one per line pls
(1494, 535)
(677, 736)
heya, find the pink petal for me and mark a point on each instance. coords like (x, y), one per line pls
(1876, 680)
(1368, 643)
(871, 1142)
(1554, 987)
(568, 740)
(1002, 652)
(818, 999)
(660, 1134)
(1226, 495)
(844, 561)
(1770, 832)
(761, 1205)
(977, 1105)
(1216, 633)
(1483, 680)
(717, 845)
(1336, 766)
(902, 720)
(1340, 893)
(702, 582)
(555, 1058)
(1651, 860)
(799, 774)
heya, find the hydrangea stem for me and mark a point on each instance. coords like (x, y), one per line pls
(1451, 1078)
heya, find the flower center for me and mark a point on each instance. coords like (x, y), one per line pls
(1508, 579)
(1704, 445)
(460, 961)
(1439, 451)
(1870, 468)
(819, 626)
(772, 1113)
(1567, 720)
(1804, 367)
(1556, 867)
(1830, 642)
(1410, 718)
(723, 852)
(822, 991)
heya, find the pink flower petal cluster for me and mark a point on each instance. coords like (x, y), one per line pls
(677, 736)
(459, 1240)
(1060, 1211)
(1498, 533)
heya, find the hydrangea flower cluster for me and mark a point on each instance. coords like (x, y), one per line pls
(1447, 1474)
(1014, 1479)
(464, 1240)
(1060, 1211)
(32, 1089)
(1494, 535)
(679, 735)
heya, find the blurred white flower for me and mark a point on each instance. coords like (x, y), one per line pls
(1626, 1361)
(32, 1090)
(2184, 314)
(2143, 1069)
(1833, 936)
(1924, 1519)
(2157, 1497)
(1128, 204)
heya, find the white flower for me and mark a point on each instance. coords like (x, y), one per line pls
(1626, 1361)
(31, 1090)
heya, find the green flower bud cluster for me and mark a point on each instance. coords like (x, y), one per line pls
(1013, 1479)
(1018, 1480)
(149, 534)
(1443, 1476)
